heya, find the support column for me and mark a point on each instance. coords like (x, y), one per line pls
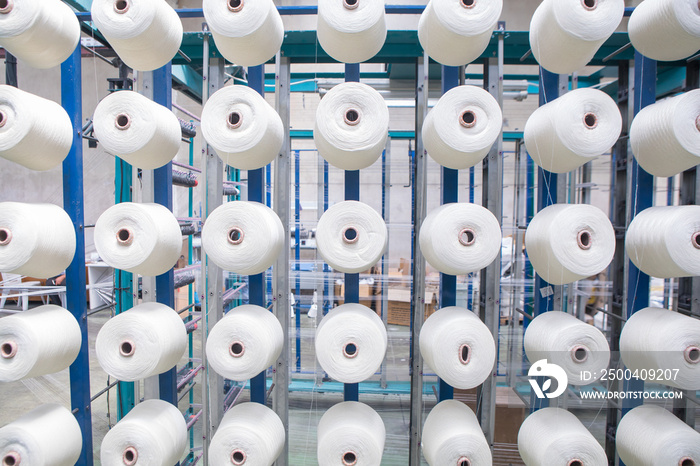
(256, 193)
(281, 379)
(352, 193)
(420, 178)
(76, 295)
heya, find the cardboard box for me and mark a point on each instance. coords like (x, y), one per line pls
(399, 312)
(510, 414)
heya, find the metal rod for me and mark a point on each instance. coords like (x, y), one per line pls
(527, 54)
(194, 419)
(187, 390)
(104, 390)
(189, 377)
(101, 57)
(182, 54)
(617, 52)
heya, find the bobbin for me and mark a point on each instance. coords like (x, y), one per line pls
(130, 456)
(12, 459)
(5, 236)
(8, 349)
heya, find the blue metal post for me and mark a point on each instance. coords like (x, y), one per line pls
(352, 193)
(546, 196)
(256, 192)
(325, 306)
(449, 194)
(163, 195)
(297, 267)
(642, 198)
(76, 294)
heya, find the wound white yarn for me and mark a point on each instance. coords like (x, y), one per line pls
(351, 236)
(146, 340)
(242, 127)
(562, 339)
(243, 237)
(452, 435)
(666, 30)
(460, 238)
(462, 127)
(37, 240)
(145, 34)
(350, 433)
(137, 130)
(34, 132)
(250, 434)
(573, 129)
(352, 124)
(41, 33)
(139, 238)
(154, 432)
(566, 34)
(665, 136)
(351, 31)
(455, 33)
(37, 342)
(649, 436)
(569, 242)
(48, 435)
(350, 343)
(664, 241)
(247, 33)
(657, 340)
(555, 436)
(457, 345)
(245, 342)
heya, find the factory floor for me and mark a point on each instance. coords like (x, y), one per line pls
(306, 406)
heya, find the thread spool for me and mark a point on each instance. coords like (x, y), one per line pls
(350, 433)
(556, 436)
(573, 129)
(351, 236)
(34, 132)
(562, 339)
(666, 30)
(242, 127)
(243, 237)
(655, 339)
(665, 136)
(249, 434)
(147, 340)
(48, 435)
(462, 127)
(137, 130)
(568, 242)
(351, 31)
(37, 342)
(145, 35)
(649, 435)
(458, 347)
(350, 343)
(37, 240)
(352, 125)
(42, 34)
(153, 432)
(565, 35)
(457, 33)
(452, 436)
(247, 33)
(245, 342)
(460, 238)
(663, 241)
(138, 238)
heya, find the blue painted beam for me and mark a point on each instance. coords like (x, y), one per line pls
(163, 195)
(76, 295)
(352, 193)
(546, 196)
(642, 198)
(449, 194)
(256, 192)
